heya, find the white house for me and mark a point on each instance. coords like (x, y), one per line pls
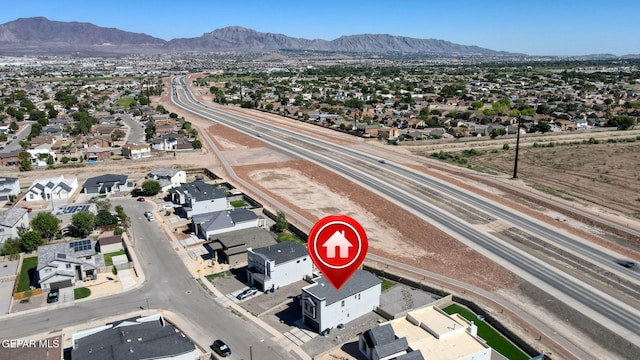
(148, 337)
(271, 267)
(52, 188)
(219, 222)
(426, 333)
(168, 178)
(61, 264)
(9, 187)
(10, 221)
(199, 197)
(40, 154)
(324, 307)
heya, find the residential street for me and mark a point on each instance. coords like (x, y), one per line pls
(168, 286)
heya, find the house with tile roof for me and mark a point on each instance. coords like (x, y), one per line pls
(218, 222)
(167, 178)
(9, 187)
(150, 337)
(199, 197)
(273, 266)
(51, 188)
(11, 220)
(324, 307)
(107, 184)
(62, 264)
(231, 247)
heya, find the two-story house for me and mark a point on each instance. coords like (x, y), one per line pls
(95, 153)
(324, 307)
(167, 178)
(133, 151)
(61, 264)
(11, 220)
(273, 266)
(199, 197)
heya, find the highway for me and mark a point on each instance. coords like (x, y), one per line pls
(169, 286)
(602, 307)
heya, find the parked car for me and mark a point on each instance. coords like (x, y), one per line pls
(246, 293)
(221, 348)
(149, 216)
(28, 209)
(141, 199)
(53, 296)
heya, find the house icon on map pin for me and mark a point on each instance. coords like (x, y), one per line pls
(337, 240)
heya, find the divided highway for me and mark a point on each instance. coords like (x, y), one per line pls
(604, 308)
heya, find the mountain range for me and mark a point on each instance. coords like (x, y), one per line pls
(41, 36)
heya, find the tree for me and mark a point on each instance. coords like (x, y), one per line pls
(30, 241)
(11, 248)
(103, 205)
(122, 216)
(282, 223)
(25, 161)
(105, 218)
(83, 223)
(46, 224)
(622, 122)
(14, 126)
(117, 135)
(150, 187)
(197, 144)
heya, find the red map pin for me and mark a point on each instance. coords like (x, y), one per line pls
(337, 245)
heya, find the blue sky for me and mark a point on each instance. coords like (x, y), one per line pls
(538, 27)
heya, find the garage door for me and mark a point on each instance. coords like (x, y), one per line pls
(312, 324)
(61, 284)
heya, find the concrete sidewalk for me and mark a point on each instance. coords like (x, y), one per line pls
(278, 337)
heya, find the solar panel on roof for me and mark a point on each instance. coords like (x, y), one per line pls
(62, 256)
(80, 245)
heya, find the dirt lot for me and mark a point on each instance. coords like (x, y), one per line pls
(604, 174)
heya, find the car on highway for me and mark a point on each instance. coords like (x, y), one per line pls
(221, 348)
(627, 263)
(246, 293)
(53, 296)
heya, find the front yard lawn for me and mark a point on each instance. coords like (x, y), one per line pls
(27, 272)
(81, 293)
(107, 257)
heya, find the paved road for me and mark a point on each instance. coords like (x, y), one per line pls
(136, 133)
(606, 309)
(168, 285)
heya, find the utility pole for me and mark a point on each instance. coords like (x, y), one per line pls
(515, 164)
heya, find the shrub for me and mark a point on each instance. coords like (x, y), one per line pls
(505, 147)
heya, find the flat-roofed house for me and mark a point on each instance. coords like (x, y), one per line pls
(426, 333)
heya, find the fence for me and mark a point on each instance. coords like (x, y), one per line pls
(447, 298)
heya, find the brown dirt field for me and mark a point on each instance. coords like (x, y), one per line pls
(314, 192)
(606, 174)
